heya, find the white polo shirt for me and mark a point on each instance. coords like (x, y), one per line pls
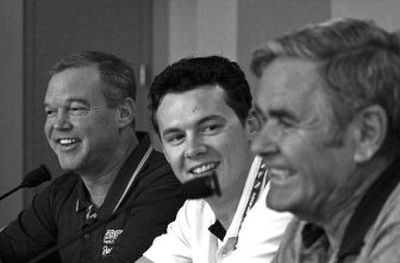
(188, 238)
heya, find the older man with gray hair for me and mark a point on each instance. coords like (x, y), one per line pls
(329, 103)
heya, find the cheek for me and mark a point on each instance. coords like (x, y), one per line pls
(47, 128)
(172, 155)
(301, 154)
(236, 140)
(93, 127)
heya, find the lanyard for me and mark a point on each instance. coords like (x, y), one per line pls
(257, 187)
(137, 170)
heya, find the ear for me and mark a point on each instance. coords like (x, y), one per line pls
(370, 132)
(126, 112)
(253, 125)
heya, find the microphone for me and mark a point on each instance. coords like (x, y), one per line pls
(200, 187)
(32, 179)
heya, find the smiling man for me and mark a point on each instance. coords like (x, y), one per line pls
(329, 107)
(90, 108)
(200, 109)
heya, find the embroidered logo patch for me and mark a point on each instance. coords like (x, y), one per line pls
(109, 240)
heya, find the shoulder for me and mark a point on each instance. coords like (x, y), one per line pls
(198, 209)
(158, 161)
(195, 214)
(389, 216)
(383, 238)
(157, 171)
(64, 183)
(59, 189)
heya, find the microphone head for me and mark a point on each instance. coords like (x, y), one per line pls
(201, 187)
(36, 177)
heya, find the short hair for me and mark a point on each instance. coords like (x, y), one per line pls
(116, 73)
(191, 73)
(358, 65)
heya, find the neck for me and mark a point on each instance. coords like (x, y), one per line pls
(336, 219)
(98, 184)
(225, 211)
(225, 206)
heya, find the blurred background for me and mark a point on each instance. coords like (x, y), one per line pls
(150, 34)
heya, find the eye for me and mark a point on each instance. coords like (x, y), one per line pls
(50, 112)
(261, 119)
(78, 111)
(174, 139)
(285, 123)
(211, 128)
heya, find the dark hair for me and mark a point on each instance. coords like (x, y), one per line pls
(358, 64)
(191, 73)
(116, 73)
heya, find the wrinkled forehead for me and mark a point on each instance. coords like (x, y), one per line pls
(288, 83)
(75, 83)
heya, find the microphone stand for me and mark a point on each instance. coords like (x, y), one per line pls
(32, 179)
(10, 192)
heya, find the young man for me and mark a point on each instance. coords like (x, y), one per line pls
(90, 107)
(200, 110)
(329, 104)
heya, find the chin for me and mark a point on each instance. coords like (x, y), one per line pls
(277, 201)
(68, 165)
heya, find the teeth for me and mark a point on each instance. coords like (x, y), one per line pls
(204, 168)
(282, 173)
(67, 141)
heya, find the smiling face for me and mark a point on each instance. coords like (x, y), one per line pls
(308, 173)
(200, 134)
(79, 127)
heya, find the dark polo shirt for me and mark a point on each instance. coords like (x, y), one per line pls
(64, 209)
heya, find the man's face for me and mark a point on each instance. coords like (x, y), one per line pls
(201, 134)
(79, 127)
(308, 173)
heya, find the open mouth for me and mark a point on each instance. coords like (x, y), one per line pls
(68, 141)
(278, 174)
(204, 169)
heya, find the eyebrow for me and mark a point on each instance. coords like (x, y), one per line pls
(169, 131)
(211, 118)
(198, 123)
(70, 100)
(283, 114)
(278, 113)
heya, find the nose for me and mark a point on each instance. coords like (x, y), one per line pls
(266, 141)
(62, 121)
(195, 147)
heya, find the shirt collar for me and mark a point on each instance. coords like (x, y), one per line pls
(218, 230)
(310, 234)
(83, 201)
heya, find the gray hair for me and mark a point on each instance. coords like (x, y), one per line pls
(358, 64)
